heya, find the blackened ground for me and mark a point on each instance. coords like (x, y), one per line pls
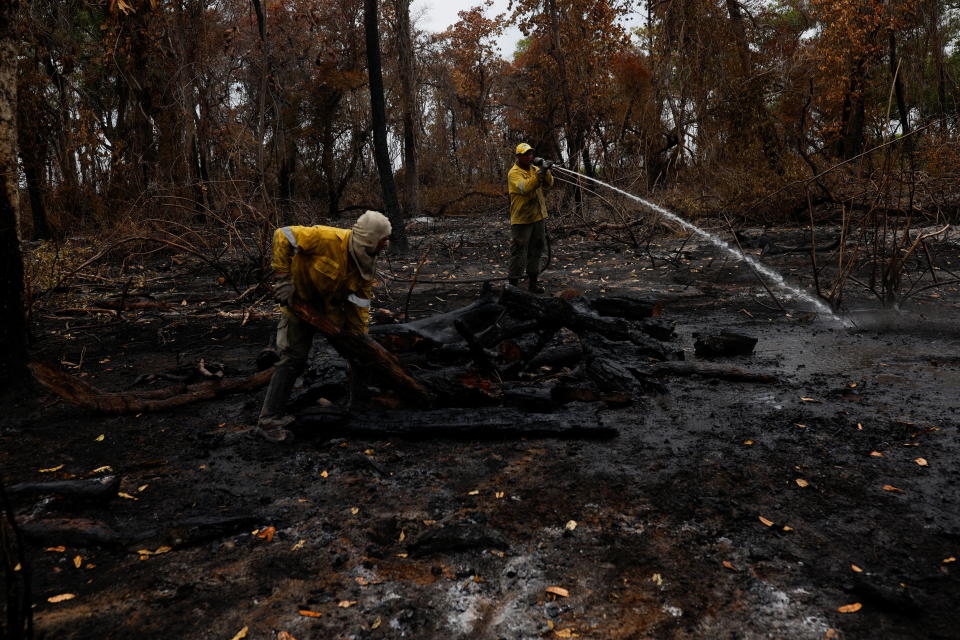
(722, 510)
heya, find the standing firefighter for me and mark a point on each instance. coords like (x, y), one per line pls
(526, 182)
(331, 270)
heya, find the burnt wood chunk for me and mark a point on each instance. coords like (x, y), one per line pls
(627, 307)
(87, 490)
(723, 344)
(80, 532)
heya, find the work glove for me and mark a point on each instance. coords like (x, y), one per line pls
(547, 165)
(283, 290)
(538, 162)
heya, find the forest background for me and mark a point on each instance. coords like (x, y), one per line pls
(200, 125)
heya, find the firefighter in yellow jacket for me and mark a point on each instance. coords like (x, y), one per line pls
(526, 182)
(332, 270)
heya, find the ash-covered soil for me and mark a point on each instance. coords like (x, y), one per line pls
(721, 510)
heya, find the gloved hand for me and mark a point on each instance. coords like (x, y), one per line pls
(547, 165)
(538, 161)
(283, 290)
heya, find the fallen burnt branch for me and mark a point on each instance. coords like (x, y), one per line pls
(81, 393)
(99, 489)
(492, 423)
(731, 374)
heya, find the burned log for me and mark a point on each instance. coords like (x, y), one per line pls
(493, 423)
(723, 344)
(730, 374)
(363, 351)
(627, 307)
(79, 532)
(81, 393)
(86, 490)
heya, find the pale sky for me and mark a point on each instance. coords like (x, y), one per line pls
(437, 15)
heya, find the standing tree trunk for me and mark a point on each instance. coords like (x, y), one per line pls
(408, 93)
(379, 114)
(13, 329)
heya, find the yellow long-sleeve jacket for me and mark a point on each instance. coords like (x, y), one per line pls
(323, 273)
(527, 203)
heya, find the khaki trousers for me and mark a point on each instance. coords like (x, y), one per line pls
(526, 249)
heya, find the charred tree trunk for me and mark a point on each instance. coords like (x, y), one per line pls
(379, 113)
(408, 93)
(13, 329)
(896, 74)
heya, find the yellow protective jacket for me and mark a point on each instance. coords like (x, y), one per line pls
(323, 273)
(527, 203)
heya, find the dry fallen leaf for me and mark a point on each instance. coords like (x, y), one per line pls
(498, 495)
(403, 536)
(558, 591)
(876, 454)
(949, 560)
(59, 549)
(284, 635)
(100, 437)
(565, 633)
(52, 469)
(376, 624)
(369, 452)
(77, 561)
(242, 633)
(310, 614)
(473, 493)
(344, 604)
(890, 487)
(802, 483)
(571, 525)
(850, 608)
(354, 510)
(18, 567)
(127, 496)
(803, 399)
(298, 545)
(729, 565)
(855, 568)
(922, 462)
(267, 534)
(787, 528)
(769, 523)
(61, 598)
(748, 442)
(102, 469)
(657, 579)
(831, 634)
(324, 474)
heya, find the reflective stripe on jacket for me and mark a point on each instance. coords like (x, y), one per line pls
(527, 203)
(322, 272)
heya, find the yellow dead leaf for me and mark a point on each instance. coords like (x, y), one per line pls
(748, 442)
(403, 536)
(831, 634)
(855, 568)
(657, 579)
(787, 528)
(267, 534)
(571, 525)
(890, 487)
(922, 462)
(100, 438)
(498, 495)
(18, 567)
(802, 483)
(369, 452)
(242, 633)
(850, 608)
(298, 545)
(558, 591)
(949, 560)
(310, 614)
(768, 523)
(61, 598)
(126, 496)
(565, 633)
(402, 555)
(804, 399)
(324, 474)
(59, 549)
(859, 427)
(876, 454)
(52, 469)
(729, 565)
(142, 488)
(376, 624)
(163, 549)
(345, 604)
(102, 469)
(473, 493)
(77, 561)
(355, 510)
(284, 635)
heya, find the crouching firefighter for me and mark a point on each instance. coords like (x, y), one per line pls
(331, 270)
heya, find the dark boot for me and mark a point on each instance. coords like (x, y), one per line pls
(272, 421)
(534, 287)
